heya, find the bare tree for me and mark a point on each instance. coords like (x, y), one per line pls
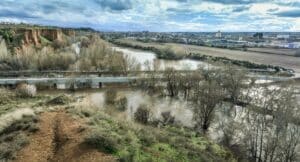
(233, 82)
(171, 78)
(207, 96)
(187, 82)
(271, 133)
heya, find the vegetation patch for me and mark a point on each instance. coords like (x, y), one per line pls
(5, 96)
(15, 135)
(130, 142)
(60, 100)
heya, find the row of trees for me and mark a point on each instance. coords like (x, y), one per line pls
(264, 130)
(98, 55)
(205, 89)
(95, 54)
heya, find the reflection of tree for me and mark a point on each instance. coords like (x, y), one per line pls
(297, 53)
(270, 132)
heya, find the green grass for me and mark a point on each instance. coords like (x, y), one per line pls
(45, 41)
(134, 142)
(10, 102)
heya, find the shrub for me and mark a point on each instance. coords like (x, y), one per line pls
(58, 44)
(13, 132)
(25, 90)
(60, 100)
(168, 118)
(8, 149)
(3, 50)
(142, 114)
(102, 142)
(110, 96)
(129, 142)
(5, 96)
(121, 104)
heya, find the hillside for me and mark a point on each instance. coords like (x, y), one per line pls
(20, 38)
(63, 128)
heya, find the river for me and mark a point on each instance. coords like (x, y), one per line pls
(148, 60)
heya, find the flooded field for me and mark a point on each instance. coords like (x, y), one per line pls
(181, 110)
(148, 60)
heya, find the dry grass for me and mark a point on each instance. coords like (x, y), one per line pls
(7, 119)
(278, 51)
(15, 127)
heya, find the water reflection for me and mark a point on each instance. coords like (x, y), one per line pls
(148, 60)
(181, 110)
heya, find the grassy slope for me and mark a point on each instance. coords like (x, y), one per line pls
(17, 122)
(134, 142)
(125, 140)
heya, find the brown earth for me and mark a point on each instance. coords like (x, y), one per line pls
(32, 36)
(60, 139)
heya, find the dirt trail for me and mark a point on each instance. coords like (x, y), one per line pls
(60, 139)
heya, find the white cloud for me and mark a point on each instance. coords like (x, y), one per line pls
(159, 15)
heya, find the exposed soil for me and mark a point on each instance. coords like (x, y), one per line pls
(60, 139)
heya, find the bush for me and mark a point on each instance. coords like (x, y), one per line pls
(15, 127)
(25, 90)
(102, 142)
(5, 96)
(129, 142)
(167, 118)
(9, 149)
(121, 104)
(110, 97)
(60, 100)
(142, 114)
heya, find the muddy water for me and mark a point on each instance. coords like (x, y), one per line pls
(148, 60)
(181, 110)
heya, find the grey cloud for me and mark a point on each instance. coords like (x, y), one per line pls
(290, 13)
(16, 14)
(58, 6)
(236, 1)
(240, 9)
(273, 10)
(117, 5)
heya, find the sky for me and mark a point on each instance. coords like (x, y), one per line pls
(158, 15)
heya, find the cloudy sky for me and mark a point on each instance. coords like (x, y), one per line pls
(157, 15)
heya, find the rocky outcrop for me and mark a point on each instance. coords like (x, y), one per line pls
(69, 32)
(33, 36)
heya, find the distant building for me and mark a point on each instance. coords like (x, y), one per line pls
(218, 34)
(258, 35)
(283, 36)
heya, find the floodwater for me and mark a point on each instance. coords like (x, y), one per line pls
(149, 61)
(181, 110)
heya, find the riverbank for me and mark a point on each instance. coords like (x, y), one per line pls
(251, 60)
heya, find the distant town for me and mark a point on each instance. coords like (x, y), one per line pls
(217, 39)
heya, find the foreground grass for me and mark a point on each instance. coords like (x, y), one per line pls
(134, 142)
(15, 135)
(18, 121)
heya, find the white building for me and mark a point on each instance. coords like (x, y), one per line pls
(219, 34)
(283, 36)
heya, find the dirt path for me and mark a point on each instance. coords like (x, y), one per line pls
(60, 139)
